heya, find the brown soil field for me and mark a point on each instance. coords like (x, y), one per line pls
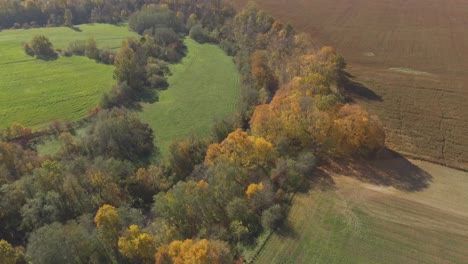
(409, 60)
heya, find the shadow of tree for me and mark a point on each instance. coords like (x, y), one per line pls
(389, 168)
(286, 230)
(354, 88)
(358, 89)
(75, 28)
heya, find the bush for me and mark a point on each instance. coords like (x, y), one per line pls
(107, 56)
(230, 47)
(28, 50)
(42, 48)
(91, 50)
(119, 134)
(77, 47)
(199, 34)
(272, 217)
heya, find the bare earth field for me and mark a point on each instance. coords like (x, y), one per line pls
(409, 59)
(348, 219)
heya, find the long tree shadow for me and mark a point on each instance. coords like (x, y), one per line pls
(354, 88)
(388, 168)
(358, 89)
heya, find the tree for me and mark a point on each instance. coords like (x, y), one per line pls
(91, 50)
(252, 156)
(188, 251)
(272, 217)
(126, 65)
(185, 154)
(7, 253)
(253, 189)
(108, 223)
(262, 74)
(356, 132)
(199, 34)
(74, 242)
(118, 133)
(137, 245)
(188, 207)
(68, 16)
(42, 48)
(149, 181)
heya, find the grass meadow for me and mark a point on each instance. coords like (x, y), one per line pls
(203, 87)
(354, 222)
(34, 92)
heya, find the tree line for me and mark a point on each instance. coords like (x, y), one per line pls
(104, 199)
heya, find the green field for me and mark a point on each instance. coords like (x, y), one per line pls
(203, 87)
(353, 222)
(35, 92)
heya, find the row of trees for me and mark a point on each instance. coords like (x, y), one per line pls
(33, 13)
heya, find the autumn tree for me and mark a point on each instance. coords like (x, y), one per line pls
(15, 162)
(185, 154)
(137, 245)
(253, 156)
(188, 251)
(356, 132)
(262, 74)
(7, 253)
(149, 181)
(127, 68)
(188, 207)
(108, 223)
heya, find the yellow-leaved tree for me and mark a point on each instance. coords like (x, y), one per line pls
(7, 253)
(188, 251)
(137, 245)
(108, 223)
(250, 156)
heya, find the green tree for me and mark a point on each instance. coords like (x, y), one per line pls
(119, 134)
(42, 48)
(91, 50)
(75, 242)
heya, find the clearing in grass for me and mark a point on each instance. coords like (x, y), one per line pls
(204, 87)
(35, 92)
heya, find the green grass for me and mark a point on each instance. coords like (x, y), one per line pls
(203, 87)
(35, 92)
(363, 226)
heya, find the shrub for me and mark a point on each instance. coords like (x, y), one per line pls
(229, 47)
(77, 47)
(42, 48)
(272, 217)
(28, 50)
(119, 134)
(91, 50)
(107, 56)
(199, 34)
